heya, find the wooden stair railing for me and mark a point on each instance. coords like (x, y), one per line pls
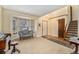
(67, 26)
(65, 31)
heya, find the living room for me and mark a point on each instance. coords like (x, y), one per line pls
(19, 22)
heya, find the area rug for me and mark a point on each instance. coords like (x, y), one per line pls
(59, 41)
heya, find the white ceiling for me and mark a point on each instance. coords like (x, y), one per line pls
(37, 10)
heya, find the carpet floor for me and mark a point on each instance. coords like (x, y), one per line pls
(41, 46)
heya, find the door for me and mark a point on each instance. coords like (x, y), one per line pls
(61, 25)
(44, 28)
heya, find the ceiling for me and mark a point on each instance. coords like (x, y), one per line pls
(37, 10)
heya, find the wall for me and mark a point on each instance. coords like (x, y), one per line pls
(78, 21)
(0, 18)
(75, 12)
(39, 28)
(53, 22)
(53, 25)
(65, 10)
(78, 24)
(6, 17)
(8, 14)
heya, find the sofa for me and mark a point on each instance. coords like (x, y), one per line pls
(25, 33)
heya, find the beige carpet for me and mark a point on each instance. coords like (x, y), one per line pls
(41, 46)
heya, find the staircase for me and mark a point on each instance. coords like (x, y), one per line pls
(72, 30)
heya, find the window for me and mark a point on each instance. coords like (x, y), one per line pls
(21, 24)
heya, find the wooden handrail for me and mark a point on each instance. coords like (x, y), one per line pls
(67, 26)
(65, 30)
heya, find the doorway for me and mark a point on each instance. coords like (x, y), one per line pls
(61, 26)
(44, 28)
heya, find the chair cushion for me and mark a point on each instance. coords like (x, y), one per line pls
(14, 43)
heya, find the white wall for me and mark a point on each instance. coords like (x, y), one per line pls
(78, 20)
(75, 12)
(53, 27)
(53, 23)
(0, 18)
(6, 16)
(39, 28)
(78, 24)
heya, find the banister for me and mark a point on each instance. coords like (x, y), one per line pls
(65, 30)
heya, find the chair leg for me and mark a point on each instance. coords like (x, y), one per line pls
(17, 50)
(8, 47)
(13, 50)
